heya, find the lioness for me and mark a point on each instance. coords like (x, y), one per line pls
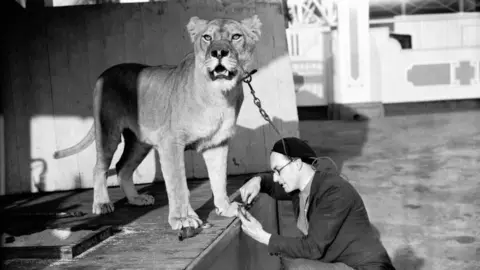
(190, 106)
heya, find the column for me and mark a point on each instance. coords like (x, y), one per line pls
(352, 93)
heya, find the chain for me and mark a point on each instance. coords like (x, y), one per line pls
(248, 79)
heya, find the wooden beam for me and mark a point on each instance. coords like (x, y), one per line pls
(64, 252)
(2, 157)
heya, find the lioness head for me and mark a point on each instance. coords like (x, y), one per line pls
(224, 47)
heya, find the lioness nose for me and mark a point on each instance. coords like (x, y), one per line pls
(220, 53)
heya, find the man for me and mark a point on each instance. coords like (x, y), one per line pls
(337, 233)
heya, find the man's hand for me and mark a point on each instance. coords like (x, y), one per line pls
(250, 189)
(252, 227)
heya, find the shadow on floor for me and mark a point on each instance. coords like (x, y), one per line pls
(406, 259)
(338, 144)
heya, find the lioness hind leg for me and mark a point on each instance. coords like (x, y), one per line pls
(106, 144)
(181, 213)
(133, 154)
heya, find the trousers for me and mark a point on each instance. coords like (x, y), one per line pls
(306, 264)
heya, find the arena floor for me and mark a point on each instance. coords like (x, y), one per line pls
(419, 178)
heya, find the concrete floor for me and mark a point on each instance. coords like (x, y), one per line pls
(418, 176)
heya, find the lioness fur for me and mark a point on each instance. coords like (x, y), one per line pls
(193, 105)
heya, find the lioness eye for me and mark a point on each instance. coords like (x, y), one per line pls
(207, 37)
(236, 36)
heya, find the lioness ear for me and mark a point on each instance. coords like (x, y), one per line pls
(254, 25)
(195, 26)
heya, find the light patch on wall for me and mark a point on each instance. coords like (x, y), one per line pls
(76, 171)
(354, 57)
(429, 74)
(478, 73)
(47, 173)
(464, 73)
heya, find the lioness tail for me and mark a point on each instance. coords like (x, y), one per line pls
(84, 143)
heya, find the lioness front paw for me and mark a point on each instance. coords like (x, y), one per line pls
(142, 200)
(230, 210)
(189, 221)
(102, 208)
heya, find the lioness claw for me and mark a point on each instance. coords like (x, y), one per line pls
(102, 208)
(190, 221)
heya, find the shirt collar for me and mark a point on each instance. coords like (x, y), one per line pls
(306, 191)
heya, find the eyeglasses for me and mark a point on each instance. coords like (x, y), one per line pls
(278, 171)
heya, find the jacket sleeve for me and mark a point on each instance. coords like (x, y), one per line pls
(325, 221)
(274, 190)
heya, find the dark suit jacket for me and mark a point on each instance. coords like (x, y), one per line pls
(339, 227)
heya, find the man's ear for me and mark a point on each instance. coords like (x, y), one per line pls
(195, 25)
(253, 25)
(298, 163)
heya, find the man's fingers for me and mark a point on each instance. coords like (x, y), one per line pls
(248, 215)
(241, 216)
(248, 198)
(242, 194)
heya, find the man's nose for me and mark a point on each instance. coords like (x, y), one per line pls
(220, 53)
(275, 177)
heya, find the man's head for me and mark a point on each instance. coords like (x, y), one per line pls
(224, 47)
(290, 160)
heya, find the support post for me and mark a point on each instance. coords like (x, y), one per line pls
(2, 157)
(353, 97)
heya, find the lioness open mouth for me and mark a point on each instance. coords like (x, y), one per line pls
(220, 72)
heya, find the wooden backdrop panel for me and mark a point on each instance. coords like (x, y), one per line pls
(52, 70)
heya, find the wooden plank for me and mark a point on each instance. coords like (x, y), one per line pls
(63, 95)
(133, 32)
(152, 32)
(94, 30)
(2, 155)
(42, 134)
(113, 17)
(81, 89)
(19, 180)
(10, 156)
(79, 243)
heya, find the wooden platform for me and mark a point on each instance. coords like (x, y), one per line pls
(144, 239)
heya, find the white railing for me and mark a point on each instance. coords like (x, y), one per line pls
(428, 75)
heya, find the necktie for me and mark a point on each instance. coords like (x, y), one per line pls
(302, 223)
